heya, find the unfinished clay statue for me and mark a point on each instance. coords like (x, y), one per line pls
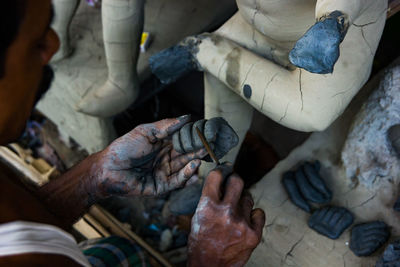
(122, 30)
(218, 133)
(246, 61)
(331, 221)
(122, 22)
(305, 184)
(366, 238)
(391, 256)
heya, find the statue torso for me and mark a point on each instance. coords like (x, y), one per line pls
(280, 20)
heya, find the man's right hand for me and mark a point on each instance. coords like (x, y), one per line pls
(225, 228)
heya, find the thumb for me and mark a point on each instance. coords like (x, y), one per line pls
(167, 127)
(258, 221)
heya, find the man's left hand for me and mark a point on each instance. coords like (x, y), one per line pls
(143, 162)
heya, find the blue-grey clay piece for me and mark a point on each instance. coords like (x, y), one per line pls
(185, 201)
(330, 221)
(316, 181)
(292, 190)
(307, 189)
(305, 184)
(366, 238)
(172, 63)
(394, 138)
(396, 206)
(317, 165)
(317, 51)
(391, 256)
(247, 91)
(218, 133)
(221, 135)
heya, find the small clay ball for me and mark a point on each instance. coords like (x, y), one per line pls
(247, 91)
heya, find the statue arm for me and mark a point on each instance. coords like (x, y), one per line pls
(295, 98)
(273, 90)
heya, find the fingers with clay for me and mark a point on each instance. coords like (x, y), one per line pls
(218, 133)
(225, 228)
(143, 162)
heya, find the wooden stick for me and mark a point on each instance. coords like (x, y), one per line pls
(96, 225)
(86, 230)
(207, 146)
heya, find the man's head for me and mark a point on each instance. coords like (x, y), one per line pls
(27, 43)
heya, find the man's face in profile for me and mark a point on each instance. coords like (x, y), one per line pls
(27, 74)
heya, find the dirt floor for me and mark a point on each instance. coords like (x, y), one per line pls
(266, 144)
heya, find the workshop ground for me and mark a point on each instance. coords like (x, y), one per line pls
(267, 142)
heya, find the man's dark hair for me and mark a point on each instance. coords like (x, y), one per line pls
(11, 15)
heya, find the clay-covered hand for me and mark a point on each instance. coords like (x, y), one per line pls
(225, 228)
(143, 162)
(318, 50)
(218, 133)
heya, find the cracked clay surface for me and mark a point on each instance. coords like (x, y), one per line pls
(287, 240)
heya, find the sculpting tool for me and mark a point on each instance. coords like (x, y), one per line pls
(207, 146)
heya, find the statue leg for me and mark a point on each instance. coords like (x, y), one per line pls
(221, 101)
(64, 11)
(122, 29)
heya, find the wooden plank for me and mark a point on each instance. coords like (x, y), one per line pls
(86, 230)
